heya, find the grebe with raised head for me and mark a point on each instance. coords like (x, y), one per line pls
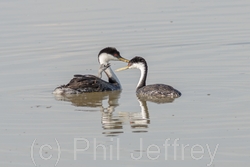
(155, 90)
(92, 83)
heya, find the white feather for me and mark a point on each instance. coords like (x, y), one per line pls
(104, 58)
(140, 66)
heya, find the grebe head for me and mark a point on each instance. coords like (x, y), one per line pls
(139, 63)
(109, 54)
(136, 62)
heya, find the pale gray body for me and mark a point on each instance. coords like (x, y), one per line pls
(158, 91)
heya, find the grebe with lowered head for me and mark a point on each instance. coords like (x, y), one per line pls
(91, 83)
(155, 90)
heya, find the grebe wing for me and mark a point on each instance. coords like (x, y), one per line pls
(160, 90)
(89, 83)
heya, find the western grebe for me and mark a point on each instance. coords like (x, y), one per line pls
(143, 90)
(91, 83)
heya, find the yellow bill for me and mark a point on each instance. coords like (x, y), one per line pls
(123, 59)
(123, 68)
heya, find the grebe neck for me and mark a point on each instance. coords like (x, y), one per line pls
(104, 58)
(144, 71)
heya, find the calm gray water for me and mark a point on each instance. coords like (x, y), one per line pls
(199, 47)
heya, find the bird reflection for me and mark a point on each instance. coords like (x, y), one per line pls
(94, 99)
(113, 122)
(138, 120)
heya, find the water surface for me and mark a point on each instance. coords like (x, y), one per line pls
(199, 47)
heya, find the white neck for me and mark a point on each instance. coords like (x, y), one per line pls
(142, 68)
(110, 74)
(104, 58)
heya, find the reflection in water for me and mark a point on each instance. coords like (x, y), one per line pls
(94, 99)
(112, 123)
(139, 121)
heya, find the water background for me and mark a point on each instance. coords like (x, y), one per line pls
(199, 47)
